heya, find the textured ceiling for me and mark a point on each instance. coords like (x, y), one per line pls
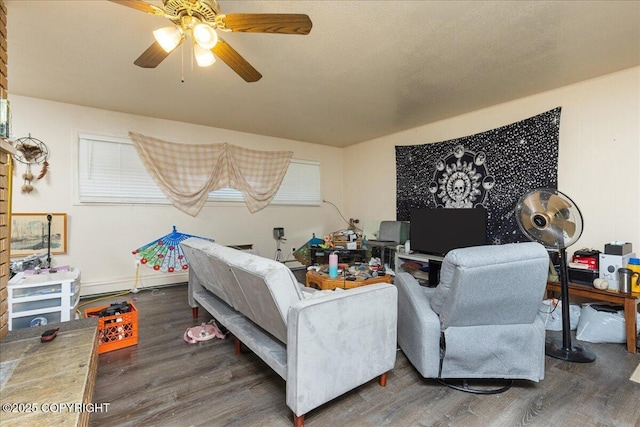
(367, 69)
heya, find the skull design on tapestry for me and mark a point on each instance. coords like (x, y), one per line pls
(461, 180)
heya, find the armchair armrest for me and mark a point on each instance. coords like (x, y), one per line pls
(418, 325)
(338, 342)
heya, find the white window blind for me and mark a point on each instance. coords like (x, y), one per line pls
(110, 171)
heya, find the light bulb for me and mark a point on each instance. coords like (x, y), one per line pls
(205, 36)
(168, 37)
(204, 57)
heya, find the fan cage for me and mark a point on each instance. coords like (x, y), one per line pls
(571, 213)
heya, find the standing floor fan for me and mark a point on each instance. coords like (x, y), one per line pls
(551, 218)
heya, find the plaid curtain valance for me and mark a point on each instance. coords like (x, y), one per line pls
(187, 173)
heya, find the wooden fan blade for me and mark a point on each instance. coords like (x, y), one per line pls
(525, 218)
(140, 5)
(556, 204)
(565, 225)
(282, 23)
(533, 203)
(569, 227)
(152, 57)
(551, 237)
(237, 63)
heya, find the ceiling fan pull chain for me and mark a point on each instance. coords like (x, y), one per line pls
(182, 63)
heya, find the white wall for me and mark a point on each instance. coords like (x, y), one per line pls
(599, 169)
(599, 155)
(101, 238)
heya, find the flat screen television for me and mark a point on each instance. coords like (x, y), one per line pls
(436, 231)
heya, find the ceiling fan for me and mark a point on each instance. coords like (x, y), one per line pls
(199, 20)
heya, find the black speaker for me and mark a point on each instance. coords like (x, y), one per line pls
(434, 272)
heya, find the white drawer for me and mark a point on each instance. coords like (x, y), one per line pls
(37, 319)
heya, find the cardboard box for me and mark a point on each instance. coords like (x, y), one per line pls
(618, 248)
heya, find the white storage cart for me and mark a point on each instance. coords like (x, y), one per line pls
(38, 299)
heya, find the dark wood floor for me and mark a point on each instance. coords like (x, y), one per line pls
(163, 381)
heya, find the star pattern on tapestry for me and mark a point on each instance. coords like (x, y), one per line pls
(491, 169)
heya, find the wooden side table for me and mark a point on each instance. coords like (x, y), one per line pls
(628, 300)
(323, 282)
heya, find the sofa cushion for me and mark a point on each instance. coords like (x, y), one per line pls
(260, 288)
(210, 274)
(268, 290)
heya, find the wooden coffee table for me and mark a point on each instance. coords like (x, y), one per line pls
(628, 300)
(323, 282)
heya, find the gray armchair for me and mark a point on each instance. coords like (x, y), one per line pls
(482, 320)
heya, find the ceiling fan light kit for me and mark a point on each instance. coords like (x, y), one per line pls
(205, 36)
(199, 20)
(204, 57)
(168, 37)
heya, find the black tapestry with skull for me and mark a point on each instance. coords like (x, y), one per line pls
(491, 169)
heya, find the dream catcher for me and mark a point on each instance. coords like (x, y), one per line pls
(31, 151)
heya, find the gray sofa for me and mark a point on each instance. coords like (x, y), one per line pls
(321, 343)
(482, 319)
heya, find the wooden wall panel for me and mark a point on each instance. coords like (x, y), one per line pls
(5, 158)
(5, 182)
(5, 267)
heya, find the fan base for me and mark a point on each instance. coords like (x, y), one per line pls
(577, 353)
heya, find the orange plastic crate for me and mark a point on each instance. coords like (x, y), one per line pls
(117, 331)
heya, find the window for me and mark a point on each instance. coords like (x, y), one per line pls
(110, 171)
